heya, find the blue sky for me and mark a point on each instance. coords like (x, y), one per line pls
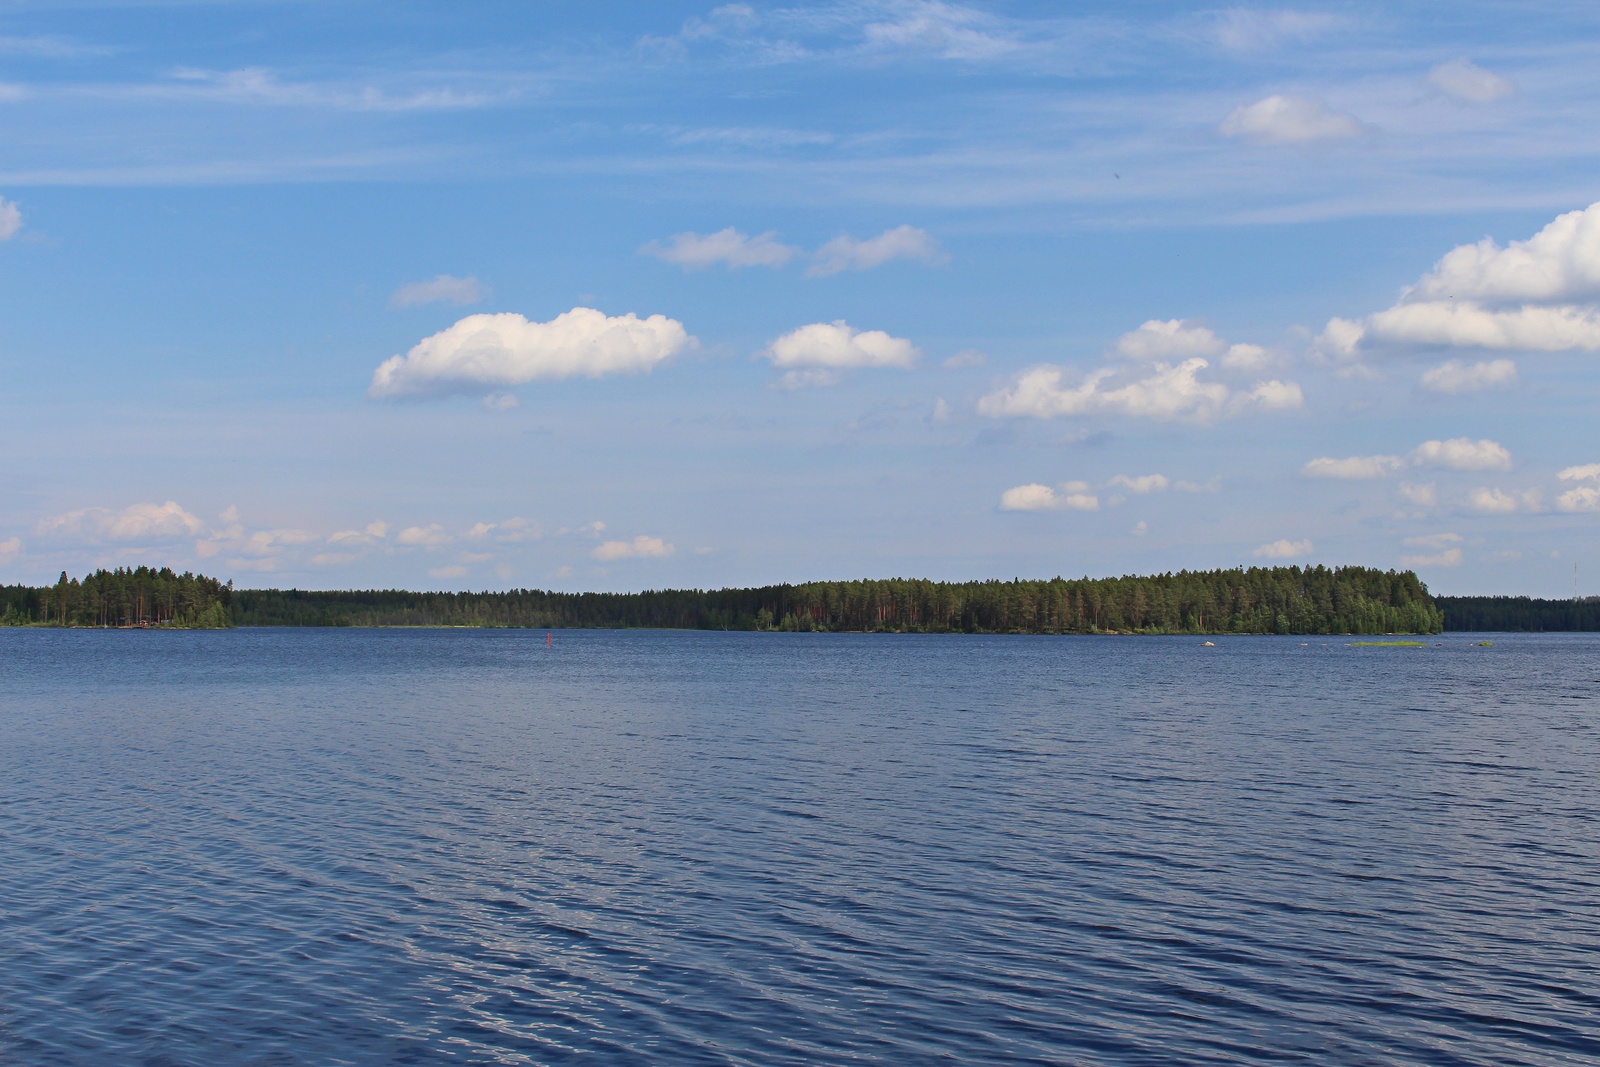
(636, 295)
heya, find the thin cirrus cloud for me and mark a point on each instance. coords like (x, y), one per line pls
(506, 349)
(815, 354)
(1457, 453)
(1068, 496)
(735, 250)
(1289, 119)
(443, 289)
(1249, 30)
(1541, 294)
(1465, 80)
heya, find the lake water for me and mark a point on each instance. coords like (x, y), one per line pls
(395, 847)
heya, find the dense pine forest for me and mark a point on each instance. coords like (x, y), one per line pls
(1511, 614)
(139, 596)
(1284, 600)
(1288, 600)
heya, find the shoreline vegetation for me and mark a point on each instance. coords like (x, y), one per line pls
(1255, 600)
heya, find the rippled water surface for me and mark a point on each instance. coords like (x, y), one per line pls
(391, 847)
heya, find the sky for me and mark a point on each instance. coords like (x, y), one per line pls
(644, 295)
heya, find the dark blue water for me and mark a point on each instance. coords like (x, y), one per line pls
(391, 847)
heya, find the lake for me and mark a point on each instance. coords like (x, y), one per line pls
(665, 847)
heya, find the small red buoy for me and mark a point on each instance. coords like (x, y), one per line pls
(547, 641)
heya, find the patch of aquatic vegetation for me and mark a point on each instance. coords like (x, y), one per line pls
(1388, 644)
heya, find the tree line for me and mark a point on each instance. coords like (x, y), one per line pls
(1286, 600)
(1510, 614)
(127, 596)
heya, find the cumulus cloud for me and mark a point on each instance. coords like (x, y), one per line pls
(1424, 495)
(441, 290)
(1353, 467)
(507, 531)
(1491, 501)
(1455, 376)
(1144, 483)
(1288, 119)
(967, 357)
(137, 522)
(1284, 549)
(1540, 295)
(1158, 379)
(506, 349)
(1169, 392)
(1450, 557)
(640, 547)
(1580, 498)
(847, 253)
(1588, 472)
(10, 219)
(9, 548)
(1462, 454)
(728, 247)
(1433, 541)
(1465, 80)
(1071, 496)
(814, 354)
(430, 536)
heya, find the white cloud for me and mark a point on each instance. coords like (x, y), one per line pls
(1144, 483)
(1284, 549)
(640, 547)
(455, 571)
(1165, 340)
(847, 253)
(1435, 541)
(441, 290)
(506, 349)
(818, 350)
(137, 522)
(1541, 294)
(728, 247)
(1353, 467)
(508, 531)
(1450, 557)
(430, 536)
(1072, 496)
(10, 219)
(1465, 80)
(1285, 119)
(1251, 358)
(9, 549)
(1168, 393)
(1462, 454)
(1271, 396)
(1582, 498)
(1422, 495)
(1491, 501)
(1455, 376)
(1588, 472)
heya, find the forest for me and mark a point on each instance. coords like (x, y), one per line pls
(1282, 600)
(1512, 614)
(127, 596)
(1286, 600)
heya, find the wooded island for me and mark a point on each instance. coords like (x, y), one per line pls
(1283, 600)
